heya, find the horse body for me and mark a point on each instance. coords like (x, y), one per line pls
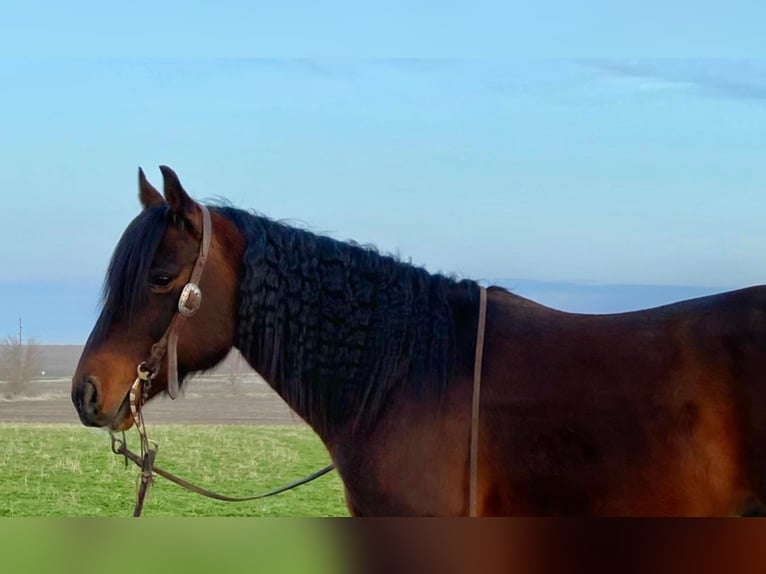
(655, 412)
(625, 414)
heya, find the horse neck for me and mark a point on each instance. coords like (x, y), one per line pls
(335, 328)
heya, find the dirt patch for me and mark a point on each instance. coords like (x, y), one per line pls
(208, 410)
(209, 399)
(232, 393)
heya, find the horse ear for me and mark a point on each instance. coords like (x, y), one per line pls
(179, 201)
(147, 193)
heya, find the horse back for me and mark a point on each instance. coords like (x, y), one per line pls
(656, 412)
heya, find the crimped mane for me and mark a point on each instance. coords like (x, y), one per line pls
(335, 327)
(126, 286)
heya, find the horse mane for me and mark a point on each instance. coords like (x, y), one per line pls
(125, 285)
(335, 326)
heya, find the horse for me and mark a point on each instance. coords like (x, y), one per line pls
(658, 412)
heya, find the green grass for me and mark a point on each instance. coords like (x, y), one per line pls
(188, 545)
(68, 470)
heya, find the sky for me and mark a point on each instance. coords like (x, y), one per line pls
(392, 28)
(592, 183)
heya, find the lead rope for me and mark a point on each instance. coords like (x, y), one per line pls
(145, 461)
(148, 448)
(474, 456)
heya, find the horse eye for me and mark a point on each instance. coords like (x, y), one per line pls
(161, 280)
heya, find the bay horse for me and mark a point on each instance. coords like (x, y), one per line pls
(656, 412)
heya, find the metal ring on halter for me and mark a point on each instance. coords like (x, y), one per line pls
(143, 372)
(190, 300)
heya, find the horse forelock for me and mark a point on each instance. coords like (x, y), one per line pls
(125, 286)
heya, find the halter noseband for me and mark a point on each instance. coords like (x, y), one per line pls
(188, 304)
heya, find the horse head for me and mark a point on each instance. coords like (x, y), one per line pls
(151, 265)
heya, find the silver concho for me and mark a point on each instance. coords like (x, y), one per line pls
(190, 300)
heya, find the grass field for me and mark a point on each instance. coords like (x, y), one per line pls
(68, 470)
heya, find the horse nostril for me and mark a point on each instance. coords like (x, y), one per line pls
(85, 396)
(90, 395)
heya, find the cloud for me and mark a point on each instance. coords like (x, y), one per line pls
(732, 79)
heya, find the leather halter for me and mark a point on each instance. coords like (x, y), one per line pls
(474, 448)
(188, 304)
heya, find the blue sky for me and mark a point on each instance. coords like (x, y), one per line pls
(596, 171)
(393, 28)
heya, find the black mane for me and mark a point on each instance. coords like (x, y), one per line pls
(335, 327)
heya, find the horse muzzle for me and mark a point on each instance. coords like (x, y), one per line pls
(87, 400)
